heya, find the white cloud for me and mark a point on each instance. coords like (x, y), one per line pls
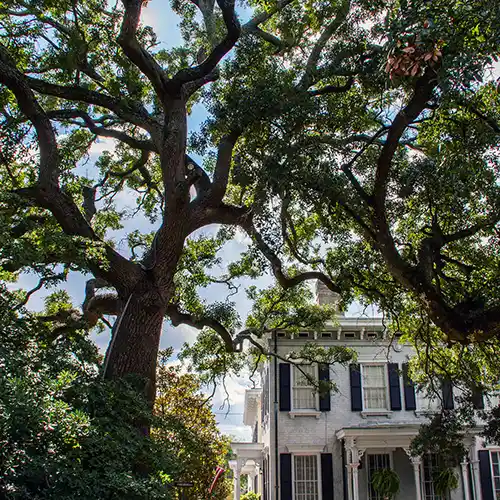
(102, 144)
(239, 433)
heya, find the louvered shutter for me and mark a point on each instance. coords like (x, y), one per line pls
(409, 390)
(285, 387)
(324, 398)
(356, 396)
(286, 476)
(394, 386)
(327, 476)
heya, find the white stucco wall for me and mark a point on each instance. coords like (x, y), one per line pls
(321, 432)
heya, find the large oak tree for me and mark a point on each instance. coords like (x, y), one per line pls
(353, 141)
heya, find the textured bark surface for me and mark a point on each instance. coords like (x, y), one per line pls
(133, 349)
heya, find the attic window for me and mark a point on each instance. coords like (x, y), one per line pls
(304, 334)
(349, 335)
(281, 334)
(372, 335)
(326, 335)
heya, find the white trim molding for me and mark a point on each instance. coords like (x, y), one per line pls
(305, 449)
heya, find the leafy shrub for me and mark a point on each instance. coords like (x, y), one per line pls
(250, 496)
(64, 432)
(385, 482)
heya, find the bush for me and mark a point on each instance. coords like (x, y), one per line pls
(64, 432)
(250, 496)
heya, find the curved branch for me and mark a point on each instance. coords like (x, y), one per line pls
(209, 64)
(91, 124)
(277, 266)
(177, 317)
(13, 79)
(135, 51)
(127, 110)
(222, 166)
(312, 63)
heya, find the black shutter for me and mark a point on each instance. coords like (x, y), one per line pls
(447, 389)
(409, 390)
(286, 476)
(324, 397)
(285, 388)
(394, 386)
(356, 398)
(477, 399)
(485, 474)
(327, 476)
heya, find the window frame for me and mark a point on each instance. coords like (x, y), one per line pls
(294, 409)
(367, 466)
(386, 380)
(318, 471)
(497, 451)
(422, 483)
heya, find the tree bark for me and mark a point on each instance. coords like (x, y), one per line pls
(133, 349)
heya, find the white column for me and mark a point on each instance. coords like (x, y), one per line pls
(465, 479)
(477, 480)
(349, 482)
(237, 485)
(251, 482)
(416, 462)
(355, 481)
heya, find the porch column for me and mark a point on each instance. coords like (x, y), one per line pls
(355, 481)
(416, 462)
(349, 482)
(476, 479)
(465, 478)
(251, 481)
(236, 466)
(354, 454)
(237, 485)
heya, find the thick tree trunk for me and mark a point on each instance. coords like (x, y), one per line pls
(133, 349)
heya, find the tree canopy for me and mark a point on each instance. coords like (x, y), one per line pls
(354, 142)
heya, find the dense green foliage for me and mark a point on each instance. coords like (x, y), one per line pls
(353, 141)
(65, 433)
(198, 444)
(385, 482)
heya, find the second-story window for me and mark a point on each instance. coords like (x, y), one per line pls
(374, 387)
(304, 394)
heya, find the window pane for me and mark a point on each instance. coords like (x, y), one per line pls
(374, 387)
(304, 396)
(430, 467)
(495, 459)
(306, 477)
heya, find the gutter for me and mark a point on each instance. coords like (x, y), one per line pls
(276, 414)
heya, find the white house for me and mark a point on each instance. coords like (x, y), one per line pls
(307, 447)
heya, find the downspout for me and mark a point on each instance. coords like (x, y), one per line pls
(276, 414)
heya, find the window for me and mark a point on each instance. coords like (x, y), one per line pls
(427, 401)
(304, 394)
(305, 474)
(374, 387)
(429, 468)
(495, 473)
(376, 462)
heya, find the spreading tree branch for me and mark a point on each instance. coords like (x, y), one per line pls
(127, 40)
(220, 50)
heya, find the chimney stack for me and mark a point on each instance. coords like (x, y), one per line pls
(324, 296)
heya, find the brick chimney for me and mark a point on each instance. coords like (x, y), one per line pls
(324, 296)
